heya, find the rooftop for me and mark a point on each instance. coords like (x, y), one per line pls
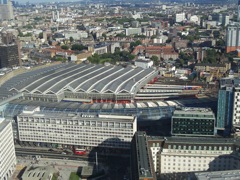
(193, 110)
(218, 175)
(80, 116)
(144, 168)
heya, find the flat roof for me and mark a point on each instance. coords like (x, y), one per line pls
(144, 168)
(192, 110)
(195, 140)
(80, 116)
(218, 175)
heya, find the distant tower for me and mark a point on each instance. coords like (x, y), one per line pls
(6, 10)
(58, 17)
(53, 15)
(238, 11)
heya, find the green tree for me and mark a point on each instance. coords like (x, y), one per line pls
(155, 60)
(134, 44)
(220, 42)
(65, 47)
(78, 47)
(71, 39)
(40, 36)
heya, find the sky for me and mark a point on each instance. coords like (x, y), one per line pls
(37, 1)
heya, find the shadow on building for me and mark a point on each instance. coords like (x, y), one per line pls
(215, 169)
(114, 154)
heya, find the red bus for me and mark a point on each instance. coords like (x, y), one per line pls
(80, 151)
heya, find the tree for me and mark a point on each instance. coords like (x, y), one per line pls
(71, 39)
(65, 47)
(104, 35)
(220, 42)
(134, 44)
(78, 47)
(155, 60)
(40, 36)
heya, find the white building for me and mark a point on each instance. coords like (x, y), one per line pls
(232, 38)
(109, 131)
(194, 19)
(185, 155)
(180, 17)
(132, 31)
(76, 35)
(143, 63)
(7, 150)
(236, 107)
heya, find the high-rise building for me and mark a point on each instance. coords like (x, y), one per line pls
(225, 20)
(233, 38)
(9, 55)
(238, 18)
(225, 109)
(180, 17)
(228, 116)
(7, 150)
(6, 10)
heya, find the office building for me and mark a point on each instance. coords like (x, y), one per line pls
(180, 17)
(141, 160)
(85, 130)
(228, 106)
(225, 20)
(6, 10)
(238, 15)
(225, 110)
(193, 122)
(7, 150)
(9, 55)
(233, 38)
(176, 157)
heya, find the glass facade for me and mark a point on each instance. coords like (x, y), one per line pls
(225, 110)
(193, 126)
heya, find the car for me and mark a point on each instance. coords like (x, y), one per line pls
(64, 153)
(51, 150)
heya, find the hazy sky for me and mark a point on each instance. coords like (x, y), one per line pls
(36, 1)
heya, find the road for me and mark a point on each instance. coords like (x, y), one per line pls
(55, 155)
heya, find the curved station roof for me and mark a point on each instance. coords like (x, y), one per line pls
(86, 78)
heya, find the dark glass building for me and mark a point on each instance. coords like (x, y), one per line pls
(193, 122)
(9, 55)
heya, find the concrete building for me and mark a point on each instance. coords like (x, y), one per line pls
(225, 20)
(85, 130)
(228, 105)
(233, 38)
(7, 150)
(9, 55)
(133, 31)
(175, 157)
(180, 17)
(6, 10)
(238, 15)
(184, 157)
(193, 122)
